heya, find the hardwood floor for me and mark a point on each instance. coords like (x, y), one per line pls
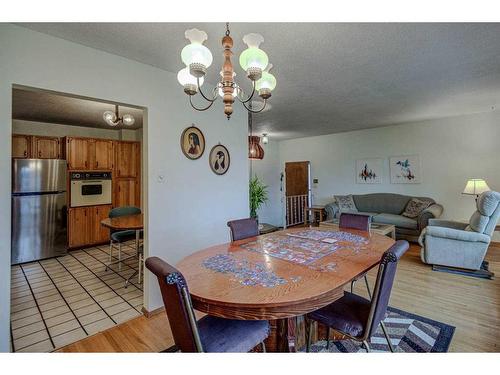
(471, 305)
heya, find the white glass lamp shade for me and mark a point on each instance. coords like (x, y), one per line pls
(186, 78)
(265, 138)
(253, 57)
(268, 81)
(128, 120)
(110, 118)
(476, 186)
(196, 52)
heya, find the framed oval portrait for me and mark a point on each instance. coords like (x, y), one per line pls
(219, 159)
(192, 142)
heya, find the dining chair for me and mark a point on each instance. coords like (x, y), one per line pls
(243, 228)
(355, 316)
(358, 222)
(119, 237)
(140, 267)
(209, 334)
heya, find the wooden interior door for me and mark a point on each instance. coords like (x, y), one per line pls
(297, 183)
(102, 151)
(21, 146)
(78, 153)
(46, 147)
(100, 234)
(79, 230)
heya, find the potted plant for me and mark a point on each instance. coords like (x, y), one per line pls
(258, 196)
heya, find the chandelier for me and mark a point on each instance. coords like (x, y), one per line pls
(114, 119)
(253, 61)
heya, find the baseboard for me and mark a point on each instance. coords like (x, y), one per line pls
(482, 273)
(149, 314)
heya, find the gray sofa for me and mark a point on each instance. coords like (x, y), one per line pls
(463, 245)
(386, 208)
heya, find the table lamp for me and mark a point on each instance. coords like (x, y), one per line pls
(475, 186)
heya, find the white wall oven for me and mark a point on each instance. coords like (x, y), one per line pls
(90, 188)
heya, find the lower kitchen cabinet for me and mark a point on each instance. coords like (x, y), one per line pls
(84, 225)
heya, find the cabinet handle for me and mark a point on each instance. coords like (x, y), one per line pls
(97, 164)
(39, 154)
(25, 153)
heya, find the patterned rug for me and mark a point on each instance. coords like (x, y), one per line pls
(409, 333)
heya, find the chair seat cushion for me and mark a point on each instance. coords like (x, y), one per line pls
(124, 235)
(219, 335)
(348, 314)
(397, 220)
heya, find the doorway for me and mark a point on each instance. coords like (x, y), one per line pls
(297, 191)
(59, 298)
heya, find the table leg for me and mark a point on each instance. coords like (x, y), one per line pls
(137, 241)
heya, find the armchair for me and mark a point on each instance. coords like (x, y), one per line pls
(452, 244)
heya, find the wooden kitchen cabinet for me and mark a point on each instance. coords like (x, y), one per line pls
(77, 153)
(101, 151)
(79, 228)
(84, 225)
(21, 146)
(46, 147)
(127, 158)
(126, 192)
(100, 234)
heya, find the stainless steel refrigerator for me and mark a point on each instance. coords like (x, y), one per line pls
(39, 209)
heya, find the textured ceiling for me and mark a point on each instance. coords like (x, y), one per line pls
(332, 77)
(42, 106)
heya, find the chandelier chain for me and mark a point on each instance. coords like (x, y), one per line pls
(227, 29)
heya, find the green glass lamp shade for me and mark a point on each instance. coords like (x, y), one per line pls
(268, 81)
(253, 58)
(197, 54)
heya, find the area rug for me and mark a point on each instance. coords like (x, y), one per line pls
(409, 333)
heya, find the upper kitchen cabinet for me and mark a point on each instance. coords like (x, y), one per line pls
(21, 146)
(127, 159)
(47, 147)
(77, 153)
(101, 151)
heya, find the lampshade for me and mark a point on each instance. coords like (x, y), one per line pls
(253, 57)
(476, 186)
(265, 138)
(186, 78)
(110, 118)
(255, 150)
(128, 120)
(268, 81)
(196, 52)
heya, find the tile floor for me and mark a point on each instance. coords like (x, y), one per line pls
(58, 301)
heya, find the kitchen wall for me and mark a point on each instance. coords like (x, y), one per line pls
(60, 130)
(187, 205)
(451, 151)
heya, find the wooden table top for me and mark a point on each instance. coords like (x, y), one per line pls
(250, 279)
(128, 222)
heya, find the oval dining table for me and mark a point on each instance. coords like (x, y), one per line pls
(280, 276)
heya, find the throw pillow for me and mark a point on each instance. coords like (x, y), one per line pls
(345, 203)
(415, 207)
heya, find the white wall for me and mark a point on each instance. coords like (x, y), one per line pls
(451, 150)
(268, 170)
(190, 208)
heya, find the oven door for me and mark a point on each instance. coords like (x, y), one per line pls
(90, 192)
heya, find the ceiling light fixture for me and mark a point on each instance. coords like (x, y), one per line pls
(255, 150)
(265, 138)
(113, 118)
(253, 61)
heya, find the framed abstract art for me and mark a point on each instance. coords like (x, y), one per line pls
(405, 169)
(369, 171)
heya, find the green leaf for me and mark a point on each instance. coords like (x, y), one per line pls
(258, 195)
